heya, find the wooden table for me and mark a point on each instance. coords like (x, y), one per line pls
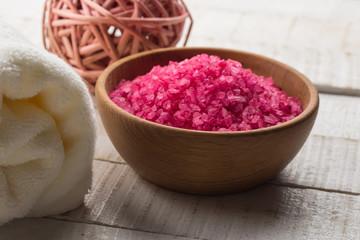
(317, 196)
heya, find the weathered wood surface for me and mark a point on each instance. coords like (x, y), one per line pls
(319, 38)
(317, 196)
(51, 229)
(122, 199)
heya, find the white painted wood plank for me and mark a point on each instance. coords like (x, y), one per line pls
(338, 117)
(319, 38)
(325, 163)
(46, 229)
(122, 199)
(321, 8)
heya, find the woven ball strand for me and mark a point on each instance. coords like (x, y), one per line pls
(91, 34)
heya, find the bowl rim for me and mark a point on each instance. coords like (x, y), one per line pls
(100, 93)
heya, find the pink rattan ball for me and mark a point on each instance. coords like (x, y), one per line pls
(91, 34)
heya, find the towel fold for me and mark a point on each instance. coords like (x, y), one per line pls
(47, 131)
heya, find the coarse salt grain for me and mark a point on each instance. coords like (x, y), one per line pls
(206, 93)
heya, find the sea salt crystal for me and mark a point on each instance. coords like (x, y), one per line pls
(206, 93)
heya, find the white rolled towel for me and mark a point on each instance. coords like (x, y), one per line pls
(47, 131)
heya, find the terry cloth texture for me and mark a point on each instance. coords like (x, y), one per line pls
(47, 131)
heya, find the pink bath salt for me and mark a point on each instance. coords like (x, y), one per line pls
(206, 93)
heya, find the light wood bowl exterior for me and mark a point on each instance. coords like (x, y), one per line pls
(203, 162)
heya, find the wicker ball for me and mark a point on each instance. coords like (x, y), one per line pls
(91, 34)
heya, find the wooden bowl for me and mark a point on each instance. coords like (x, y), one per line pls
(204, 162)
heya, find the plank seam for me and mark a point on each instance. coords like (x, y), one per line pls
(63, 219)
(328, 89)
(282, 184)
(292, 185)
(109, 161)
